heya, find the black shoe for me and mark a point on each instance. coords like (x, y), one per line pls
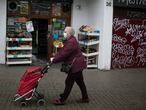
(83, 101)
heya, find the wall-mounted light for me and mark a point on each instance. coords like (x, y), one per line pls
(78, 7)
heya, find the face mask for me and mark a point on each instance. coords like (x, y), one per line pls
(65, 35)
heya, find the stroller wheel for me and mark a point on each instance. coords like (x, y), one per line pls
(16, 97)
(23, 104)
(40, 102)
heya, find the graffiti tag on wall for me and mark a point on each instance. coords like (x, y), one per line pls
(129, 43)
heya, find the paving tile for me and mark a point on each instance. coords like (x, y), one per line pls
(123, 89)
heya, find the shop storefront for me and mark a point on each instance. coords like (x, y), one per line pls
(47, 19)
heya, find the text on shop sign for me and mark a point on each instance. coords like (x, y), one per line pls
(131, 3)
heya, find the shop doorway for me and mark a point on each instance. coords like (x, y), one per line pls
(39, 38)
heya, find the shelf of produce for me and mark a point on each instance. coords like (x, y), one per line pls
(90, 54)
(19, 48)
(89, 34)
(19, 56)
(92, 66)
(88, 43)
(19, 62)
(19, 39)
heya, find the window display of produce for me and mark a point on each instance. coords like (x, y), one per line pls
(19, 42)
(89, 42)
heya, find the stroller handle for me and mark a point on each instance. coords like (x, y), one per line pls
(46, 67)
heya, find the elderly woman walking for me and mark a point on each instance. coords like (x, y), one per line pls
(71, 54)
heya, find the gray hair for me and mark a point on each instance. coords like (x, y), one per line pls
(70, 30)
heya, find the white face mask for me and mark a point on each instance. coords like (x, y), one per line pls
(65, 35)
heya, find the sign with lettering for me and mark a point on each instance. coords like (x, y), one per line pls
(108, 3)
(130, 3)
(129, 43)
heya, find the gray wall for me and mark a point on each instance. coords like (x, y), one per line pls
(98, 15)
(2, 30)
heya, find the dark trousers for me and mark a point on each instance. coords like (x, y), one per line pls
(69, 82)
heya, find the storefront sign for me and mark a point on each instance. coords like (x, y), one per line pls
(69, 1)
(108, 3)
(136, 14)
(130, 3)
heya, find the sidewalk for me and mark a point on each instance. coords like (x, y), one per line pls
(108, 90)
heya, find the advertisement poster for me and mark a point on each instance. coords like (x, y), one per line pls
(56, 9)
(24, 7)
(29, 26)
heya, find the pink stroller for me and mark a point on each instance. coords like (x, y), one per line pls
(28, 85)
